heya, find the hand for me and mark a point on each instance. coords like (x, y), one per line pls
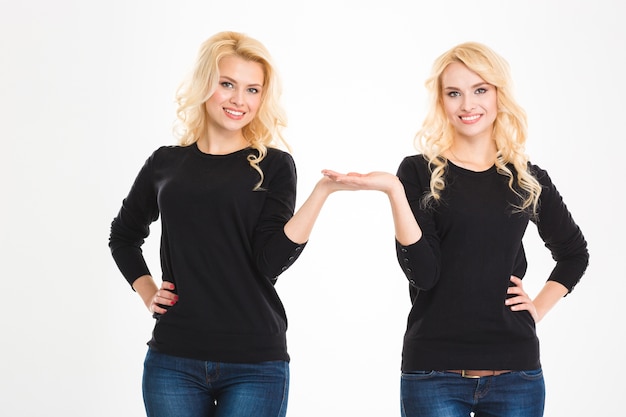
(521, 301)
(163, 297)
(377, 180)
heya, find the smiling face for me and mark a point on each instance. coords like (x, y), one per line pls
(470, 103)
(237, 97)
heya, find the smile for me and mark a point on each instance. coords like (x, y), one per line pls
(470, 118)
(234, 112)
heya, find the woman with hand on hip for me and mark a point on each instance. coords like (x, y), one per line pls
(461, 207)
(226, 196)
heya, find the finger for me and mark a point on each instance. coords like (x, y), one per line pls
(330, 172)
(155, 308)
(520, 307)
(333, 176)
(518, 299)
(514, 290)
(165, 297)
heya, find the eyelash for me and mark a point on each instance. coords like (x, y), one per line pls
(228, 84)
(480, 90)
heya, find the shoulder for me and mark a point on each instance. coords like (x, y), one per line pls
(168, 153)
(540, 174)
(549, 192)
(279, 154)
(416, 164)
(277, 157)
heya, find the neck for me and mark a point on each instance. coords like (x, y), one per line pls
(219, 144)
(473, 157)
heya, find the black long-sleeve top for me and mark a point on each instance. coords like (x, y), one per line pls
(222, 245)
(459, 271)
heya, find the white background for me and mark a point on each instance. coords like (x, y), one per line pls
(86, 94)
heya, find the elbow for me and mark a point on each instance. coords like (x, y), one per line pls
(271, 269)
(423, 279)
(421, 283)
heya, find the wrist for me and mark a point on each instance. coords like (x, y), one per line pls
(396, 190)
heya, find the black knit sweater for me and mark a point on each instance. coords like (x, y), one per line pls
(459, 271)
(222, 245)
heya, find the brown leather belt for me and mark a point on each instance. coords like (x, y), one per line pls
(477, 374)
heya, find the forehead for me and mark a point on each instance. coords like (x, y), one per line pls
(241, 70)
(458, 74)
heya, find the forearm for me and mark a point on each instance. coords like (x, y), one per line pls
(547, 298)
(299, 227)
(406, 228)
(146, 288)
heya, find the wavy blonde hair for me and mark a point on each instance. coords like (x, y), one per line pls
(265, 130)
(436, 135)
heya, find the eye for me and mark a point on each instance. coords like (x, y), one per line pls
(226, 84)
(253, 90)
(481, 90)
(453, 94)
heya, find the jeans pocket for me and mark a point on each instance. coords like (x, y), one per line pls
(417, 375)
(532, 374)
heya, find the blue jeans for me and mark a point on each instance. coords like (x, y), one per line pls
(447, 394)
(181, 387)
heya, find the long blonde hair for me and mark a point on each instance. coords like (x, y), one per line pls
(510, 127)
(265, 130)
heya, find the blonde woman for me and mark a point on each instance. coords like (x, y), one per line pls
(460, 208)
(225, 196)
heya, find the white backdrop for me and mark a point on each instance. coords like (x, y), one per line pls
(86, 94)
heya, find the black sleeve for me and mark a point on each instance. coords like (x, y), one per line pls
(131, 226)
(274, 251)
(561, 234)
(419, 261)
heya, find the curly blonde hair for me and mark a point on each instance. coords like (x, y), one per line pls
(192, 118)
(436, 135)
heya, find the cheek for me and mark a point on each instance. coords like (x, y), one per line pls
(216, 99)
(254, 103)
(450, 110)
(493, 108)
(492, 102)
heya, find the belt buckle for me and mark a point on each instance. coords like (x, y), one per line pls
(464, 375)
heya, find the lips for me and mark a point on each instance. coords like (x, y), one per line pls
(234, 113)
(470, 119)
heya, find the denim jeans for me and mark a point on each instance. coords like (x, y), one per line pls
(446, 394)
(181, 387)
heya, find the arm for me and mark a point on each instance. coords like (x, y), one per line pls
(131, 226)
(129, 229)
(407, 230)
(547, 298)
(417, 250)
(282, 234)
(299, 227)
(561, 235)
(153, 297)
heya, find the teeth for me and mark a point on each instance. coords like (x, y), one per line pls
(469, 118)
(234, 113)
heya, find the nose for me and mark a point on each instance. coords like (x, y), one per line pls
(237, 97)
(468, 103)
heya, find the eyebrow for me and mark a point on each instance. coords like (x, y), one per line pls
(480, 84)
(235, 81)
